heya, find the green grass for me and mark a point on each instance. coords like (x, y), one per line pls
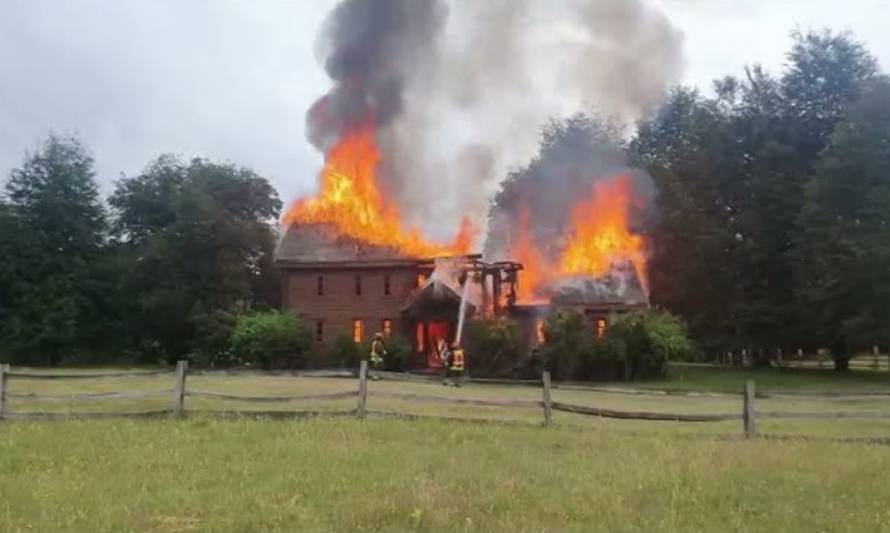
(788, 379)
(204, 474)
(585, 474)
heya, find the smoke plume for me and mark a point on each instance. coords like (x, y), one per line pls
(460, 90)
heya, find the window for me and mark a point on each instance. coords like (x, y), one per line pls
(387, 288)
(419, 336)
(387, 327)
(421, 279)
(319, 285)
(358, 285)
(319, 330)
(600, 327)
(358, 330)
(539, 330)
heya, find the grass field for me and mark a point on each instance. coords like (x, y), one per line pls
(205, 474)
(586, 473)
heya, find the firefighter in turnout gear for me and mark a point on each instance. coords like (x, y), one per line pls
(456, 364)
(378, 351)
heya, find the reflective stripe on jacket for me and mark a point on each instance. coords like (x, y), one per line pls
(457, 359)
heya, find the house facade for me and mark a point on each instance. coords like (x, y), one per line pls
(343, 288)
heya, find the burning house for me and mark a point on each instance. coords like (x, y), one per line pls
(346, 287)
(352, 265)
(342, 286)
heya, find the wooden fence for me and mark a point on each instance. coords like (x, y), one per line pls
(178, 393)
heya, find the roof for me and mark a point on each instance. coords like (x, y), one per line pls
(315, 245)
(620, 289)
(322, 243)
(436, 299)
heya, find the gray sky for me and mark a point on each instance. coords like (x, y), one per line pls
(231, 80)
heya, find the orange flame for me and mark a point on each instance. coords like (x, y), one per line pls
(535, 267)
(350, 200)
(599, 238)
(601, 234)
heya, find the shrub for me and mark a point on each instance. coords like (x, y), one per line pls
(213, 340)
(651, 338)
(270, 338)
(345, 353)
(569, 345)
(636, 345)
(492, 347)
(398, 353)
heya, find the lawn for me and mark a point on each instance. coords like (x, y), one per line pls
(787, 379)
(206, 474)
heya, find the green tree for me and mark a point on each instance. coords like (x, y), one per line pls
(192, 239)
(731, 174)
(844, 240)
(53, 236)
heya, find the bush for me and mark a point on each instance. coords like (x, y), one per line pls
(398, 353)
(345, 353)
(652, 338)
(492, 347)
(270, 338)
(213, 340)
(636, 345)
(569, 344)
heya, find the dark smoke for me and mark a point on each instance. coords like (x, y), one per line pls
(370, 48)
(460, 89)
(575, 153)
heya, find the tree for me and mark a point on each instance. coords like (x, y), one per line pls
(691, 267)
(731, 173)
(843, 247)
(56, 230)
(193, 239)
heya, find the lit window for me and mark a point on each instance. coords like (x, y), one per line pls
(600, 327)
(319, 285)
(358, 285)
(419, 332)
(319, 330)
(539, 330)
(421, 279)
(387, 327)
(386, 285)
(358, 330)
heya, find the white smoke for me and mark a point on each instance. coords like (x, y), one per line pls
(497, 73)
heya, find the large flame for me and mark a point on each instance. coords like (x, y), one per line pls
(350, 200)
(599, 238)
(535, 268)
(601, 235)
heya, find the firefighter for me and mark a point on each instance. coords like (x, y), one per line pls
(457, 363)
(445, 358)
(378, 351)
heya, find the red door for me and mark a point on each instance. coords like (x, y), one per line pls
(436, 332)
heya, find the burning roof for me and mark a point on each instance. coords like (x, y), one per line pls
(620, 287)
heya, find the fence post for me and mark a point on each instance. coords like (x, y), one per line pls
(361, 409)
(179, 388)
(4, 375)
(548, 413)
(748, 413)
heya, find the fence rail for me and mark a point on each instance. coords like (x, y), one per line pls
(266, 399)
(179, 393)
(138, 373)
(91, 396)
(642, 415)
